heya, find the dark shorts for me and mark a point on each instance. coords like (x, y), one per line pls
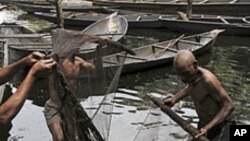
(51, 112)
(220, 132)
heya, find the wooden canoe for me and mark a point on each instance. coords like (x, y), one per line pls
(17, 34)
(238, 26)
(135, 19)
(41, 2)
(155, 55)
(224, 7)
(114, 27)
(13, 29)
(31, 8)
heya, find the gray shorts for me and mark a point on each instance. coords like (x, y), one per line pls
(51, 112)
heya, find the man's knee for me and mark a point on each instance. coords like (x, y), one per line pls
(58, 137)
(56, 131)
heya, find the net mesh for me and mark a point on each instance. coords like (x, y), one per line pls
(77, 125)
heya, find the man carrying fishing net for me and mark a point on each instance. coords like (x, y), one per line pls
(213, 104)
(66, 118)
(71, 68)
(63, 86)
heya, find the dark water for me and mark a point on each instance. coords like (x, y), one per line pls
(133, 112)
(228, 59)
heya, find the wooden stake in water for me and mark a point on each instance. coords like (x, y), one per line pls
(189, 8)
(59, 12)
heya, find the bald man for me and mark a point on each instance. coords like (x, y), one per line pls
(213, 104)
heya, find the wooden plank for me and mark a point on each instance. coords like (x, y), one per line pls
(224, 20)
(74, 15)
(183, 123)
(233, 1)
(156, 46)
(29, 44)
(172, 50)
(204, 1)
(133, 57)
(110, 62)
(161, 47)
(23, 35)
(170, 44)
(190, 42)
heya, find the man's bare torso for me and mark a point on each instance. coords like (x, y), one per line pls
(206, 105)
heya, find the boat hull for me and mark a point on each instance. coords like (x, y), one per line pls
(237, 9)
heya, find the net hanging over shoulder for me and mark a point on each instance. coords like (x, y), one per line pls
(78, 79)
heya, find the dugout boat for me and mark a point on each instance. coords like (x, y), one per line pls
(113, 27)
(80, 19)
(158, 54)
(237, 26)
(31, 8)
(224, 7)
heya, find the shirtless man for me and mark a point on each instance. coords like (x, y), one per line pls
(213, 104)
(70, 67)
(41, 68)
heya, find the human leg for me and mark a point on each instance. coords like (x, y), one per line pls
(53, 119)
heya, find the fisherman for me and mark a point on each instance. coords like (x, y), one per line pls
(41, 68)
(71, 68)
(213, 104)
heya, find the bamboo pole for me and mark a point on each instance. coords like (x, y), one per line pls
(183, 123)
(189, 8)
(59, 12)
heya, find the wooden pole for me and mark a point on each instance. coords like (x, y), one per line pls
(183, 123)
(189, 8)
(59, 12)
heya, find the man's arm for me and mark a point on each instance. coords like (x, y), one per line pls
(8, 72)
(220, 95)
(178, 96)
(85, 64)
(10, 108)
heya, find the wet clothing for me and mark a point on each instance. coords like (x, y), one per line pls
(221, 132)
(52, 112)
(5, 131)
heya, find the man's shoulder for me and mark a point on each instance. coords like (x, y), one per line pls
(208, 76)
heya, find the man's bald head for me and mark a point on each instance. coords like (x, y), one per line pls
(183, 58)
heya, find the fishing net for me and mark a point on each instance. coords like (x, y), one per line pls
(77, 125)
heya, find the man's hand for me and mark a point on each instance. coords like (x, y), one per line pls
(169, 101)
(42, 68)
(203, 132)
(34, 57)
(85, 64)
